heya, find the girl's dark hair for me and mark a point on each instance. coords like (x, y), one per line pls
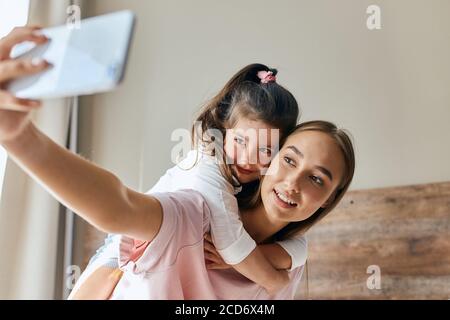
(245, 96)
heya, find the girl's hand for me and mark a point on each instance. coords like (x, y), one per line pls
(212, 257)
(15, 112)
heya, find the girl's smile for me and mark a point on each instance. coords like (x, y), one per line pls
(244, 171)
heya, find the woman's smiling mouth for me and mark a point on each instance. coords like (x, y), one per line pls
(282, 200)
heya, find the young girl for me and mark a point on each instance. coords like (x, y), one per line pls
(251, 102)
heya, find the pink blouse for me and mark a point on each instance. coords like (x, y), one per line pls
(172, 265)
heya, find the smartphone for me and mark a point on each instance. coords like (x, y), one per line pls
(86, 58)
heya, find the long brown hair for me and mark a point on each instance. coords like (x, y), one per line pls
(343, 139)
(244, 96)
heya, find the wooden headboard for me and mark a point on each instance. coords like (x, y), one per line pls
(401, 234)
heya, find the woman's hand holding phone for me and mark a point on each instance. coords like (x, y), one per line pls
(15, 112)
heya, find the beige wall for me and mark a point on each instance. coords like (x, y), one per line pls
(389, 87)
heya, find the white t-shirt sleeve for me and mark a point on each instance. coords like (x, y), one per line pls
(230, 238)
(297, 247)
(164, 184)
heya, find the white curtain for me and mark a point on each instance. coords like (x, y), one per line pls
(30, 239)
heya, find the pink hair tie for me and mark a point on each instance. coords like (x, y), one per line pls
(266, 76)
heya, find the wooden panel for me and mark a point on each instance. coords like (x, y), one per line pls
(405, 231)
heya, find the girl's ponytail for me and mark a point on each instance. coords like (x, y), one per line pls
(214, 113)
(251, 93)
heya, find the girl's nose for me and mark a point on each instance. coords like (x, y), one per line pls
(252, 155)
(243, 157)
(248, 156)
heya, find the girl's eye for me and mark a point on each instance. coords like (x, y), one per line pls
(317, 180)
(266, 151)
(239, 140)
(288, 161)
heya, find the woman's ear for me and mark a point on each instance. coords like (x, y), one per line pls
(329, 201)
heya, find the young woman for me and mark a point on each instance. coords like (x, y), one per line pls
(74, 181)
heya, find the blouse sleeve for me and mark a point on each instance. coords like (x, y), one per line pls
(230, 238)
(185, 221)
(297, 247)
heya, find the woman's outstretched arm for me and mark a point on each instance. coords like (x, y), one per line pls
(93, 193)
(90, 191)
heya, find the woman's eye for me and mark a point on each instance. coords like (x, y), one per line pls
(239, 140)
(317, 180)
(288, 161)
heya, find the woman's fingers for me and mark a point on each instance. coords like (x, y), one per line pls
(211, 257)
(15, 112)
(217, 266)
(10, 102)
(12, 69)
(208, 237)
(211, 251)
(209, 246)
(18, 35)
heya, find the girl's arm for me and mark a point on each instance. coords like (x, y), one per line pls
(277, 256)
(93, 193)
(232, 241)
(257, 268)
(273, 252)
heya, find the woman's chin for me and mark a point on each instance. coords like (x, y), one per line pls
(273, 209)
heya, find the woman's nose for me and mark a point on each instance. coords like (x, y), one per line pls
(293, 184)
